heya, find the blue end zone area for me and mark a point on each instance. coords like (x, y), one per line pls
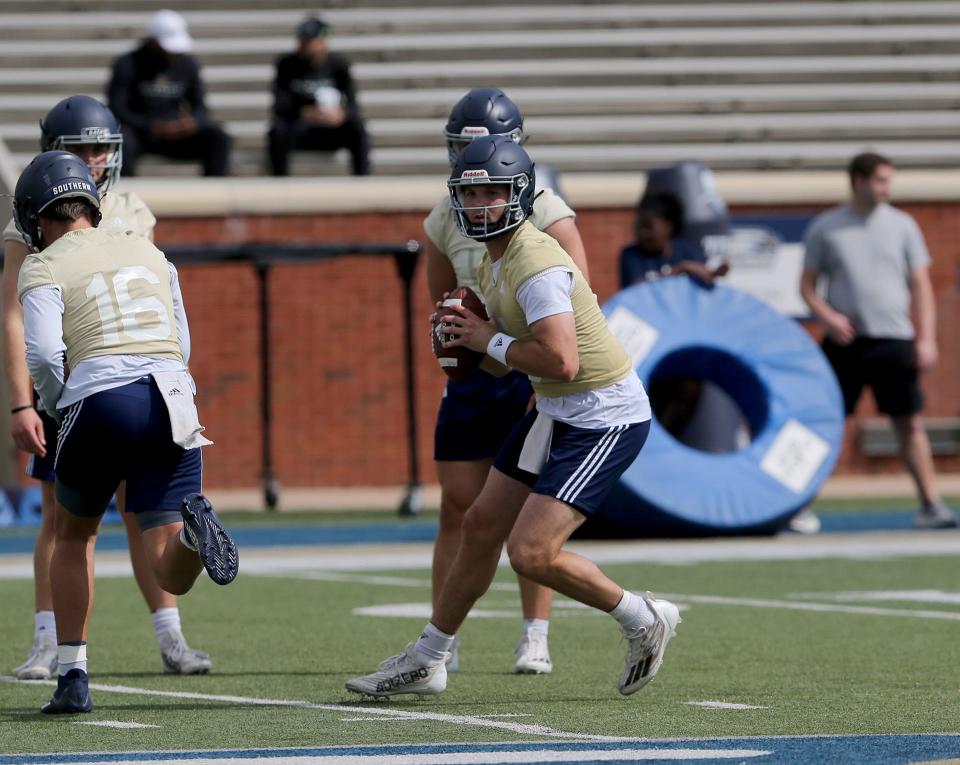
(878, 750)
(286, 535)
(868, 520)
(281, 535)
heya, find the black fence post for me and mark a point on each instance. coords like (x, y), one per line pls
(261, 256)
(271, 487)
(406, 263)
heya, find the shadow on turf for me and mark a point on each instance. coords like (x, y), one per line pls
(34, 715)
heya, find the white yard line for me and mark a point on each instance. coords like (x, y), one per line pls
(424, 609)
(365, 710)
(377, 719)
(114, 724)
(386, 581)
(722, 705)
(906, 596)
(299, 561)
(458, 758)
(820, 607)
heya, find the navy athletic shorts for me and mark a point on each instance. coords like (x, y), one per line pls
(124, 434)
(888, 366)
(477, 415)
(583, 464)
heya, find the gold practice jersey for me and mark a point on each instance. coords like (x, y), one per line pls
(115, 287)
(120, 211)
(603, 361)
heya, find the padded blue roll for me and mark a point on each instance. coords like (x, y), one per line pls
(773, 371)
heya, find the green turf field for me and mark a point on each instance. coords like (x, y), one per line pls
(863, 665)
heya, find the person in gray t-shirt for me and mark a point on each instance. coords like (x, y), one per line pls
(875, 266)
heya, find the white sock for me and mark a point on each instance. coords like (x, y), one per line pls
(71, 657)
(537, 625)
(44, 624)
(185, 540)
(433, 646)
(632, 612)
(165, 620)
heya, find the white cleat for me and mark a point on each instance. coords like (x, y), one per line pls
(936, 515)
(533, 655)
(804, 522)
(646, 646)
(41, 663)
(402, 673)
(181, 659)
(453, 659)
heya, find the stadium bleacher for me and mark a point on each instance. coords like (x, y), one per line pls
(606, 86)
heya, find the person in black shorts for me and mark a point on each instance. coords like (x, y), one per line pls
(875, 263)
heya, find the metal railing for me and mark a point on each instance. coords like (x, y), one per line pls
(261, 256)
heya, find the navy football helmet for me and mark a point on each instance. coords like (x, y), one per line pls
(483, 111)
(492, 160)
(80, 120)
(51, 177)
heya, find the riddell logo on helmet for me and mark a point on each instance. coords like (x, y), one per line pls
(474, 174)
(474, 132)
(95, 132)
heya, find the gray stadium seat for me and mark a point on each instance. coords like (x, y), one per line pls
(616, 85)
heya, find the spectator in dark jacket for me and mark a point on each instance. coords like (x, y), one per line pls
(658, 249)
(158, 96)
(315, 103)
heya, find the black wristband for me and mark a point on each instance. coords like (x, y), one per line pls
(21, 408)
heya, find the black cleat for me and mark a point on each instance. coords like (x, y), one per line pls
(216, 548)
(72, 695)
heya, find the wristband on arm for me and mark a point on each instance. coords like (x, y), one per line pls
(497, 347)
(21, 408)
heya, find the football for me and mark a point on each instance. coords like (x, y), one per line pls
(459, 362)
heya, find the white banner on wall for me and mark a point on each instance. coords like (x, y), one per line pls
(766, 259)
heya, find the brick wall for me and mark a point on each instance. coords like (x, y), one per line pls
(336, 345)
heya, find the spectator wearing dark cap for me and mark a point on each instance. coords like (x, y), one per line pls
(315, 103)
(157, 94)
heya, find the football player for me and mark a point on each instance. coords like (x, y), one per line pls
(477, 415)
(591, 419)
(106, 305)
(87, 128)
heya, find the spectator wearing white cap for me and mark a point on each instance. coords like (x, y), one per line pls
(157, 94)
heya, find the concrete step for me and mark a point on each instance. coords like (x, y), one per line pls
(240, 22)
(604, 128)
(435, 102)
(570, 71)
(625, 157)
(65, 6)
(538, 44)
